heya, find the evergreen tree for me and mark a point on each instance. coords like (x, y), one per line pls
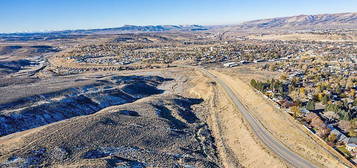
(296, 111)
(325, 99)
(355, 102)
(344, 115)
(310, 105)
(272, 85)
(338, 89)
(253, 83)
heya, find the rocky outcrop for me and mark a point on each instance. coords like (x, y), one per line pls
(38, 110)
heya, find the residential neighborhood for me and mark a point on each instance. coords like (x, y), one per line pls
(320, 95)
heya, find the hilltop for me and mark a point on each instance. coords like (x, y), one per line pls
(321, 21)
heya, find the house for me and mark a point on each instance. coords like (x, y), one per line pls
(304, 111)
(330, 115)
(259, 60)
(230, 64)
(352, 145)
(340, 137)
(287, 104)
(244, 62)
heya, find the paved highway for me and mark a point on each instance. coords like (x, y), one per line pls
(263, 134)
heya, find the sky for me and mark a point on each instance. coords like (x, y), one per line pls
(49, 15)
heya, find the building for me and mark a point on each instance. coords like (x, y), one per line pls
(244, 62)
(340, 137)
(352, 145)
(230, 64)
(259, 60)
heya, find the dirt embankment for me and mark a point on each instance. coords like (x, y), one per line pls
(236, 145)
(279, 123)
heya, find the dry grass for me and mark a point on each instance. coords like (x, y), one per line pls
(236, 145)
(279, 123)
(165, 132)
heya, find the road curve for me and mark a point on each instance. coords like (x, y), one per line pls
(263, 134)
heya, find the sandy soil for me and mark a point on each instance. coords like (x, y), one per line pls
(280, 123)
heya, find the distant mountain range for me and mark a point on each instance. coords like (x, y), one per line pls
(339, 20)
(322, 21)
(134, 28)
(126, 28)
